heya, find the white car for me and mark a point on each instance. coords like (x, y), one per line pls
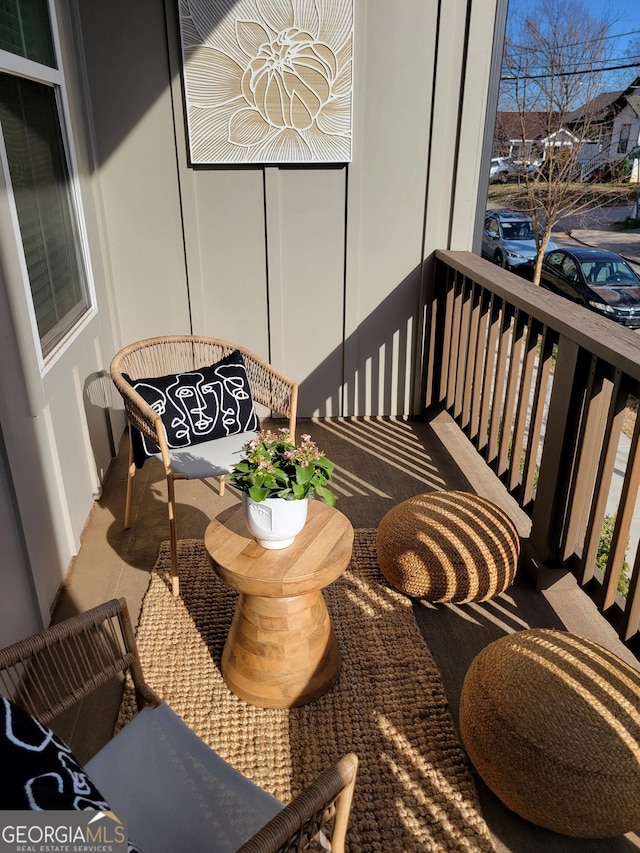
(503, 169)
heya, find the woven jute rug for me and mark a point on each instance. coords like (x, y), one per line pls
(414, 790)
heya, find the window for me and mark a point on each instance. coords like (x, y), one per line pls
(623, 142)
(38, 171)
(570, 269)
(25, 30)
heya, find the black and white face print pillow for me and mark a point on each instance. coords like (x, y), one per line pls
(200, 405)
(37, 769)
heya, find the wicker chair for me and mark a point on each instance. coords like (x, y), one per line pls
(161, 356)
(177, 792)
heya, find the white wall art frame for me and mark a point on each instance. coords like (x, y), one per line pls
(268, 81)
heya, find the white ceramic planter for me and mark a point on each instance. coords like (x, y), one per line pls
(274, 522)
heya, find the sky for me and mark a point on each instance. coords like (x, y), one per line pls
(624, 18)
(623, 14)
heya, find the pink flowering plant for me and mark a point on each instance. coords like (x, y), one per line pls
(273, 467)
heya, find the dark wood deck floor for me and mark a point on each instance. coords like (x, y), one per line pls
(379, 462)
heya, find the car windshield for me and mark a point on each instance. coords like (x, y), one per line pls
(616, 272)
(517, 231)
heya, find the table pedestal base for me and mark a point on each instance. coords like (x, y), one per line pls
(281, 652)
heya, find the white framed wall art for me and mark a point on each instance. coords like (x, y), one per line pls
(268, 81)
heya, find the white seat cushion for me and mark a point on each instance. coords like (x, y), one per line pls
(176, 793)
(209, 459)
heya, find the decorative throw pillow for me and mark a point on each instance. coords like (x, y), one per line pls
(38, 770)
(198, 405)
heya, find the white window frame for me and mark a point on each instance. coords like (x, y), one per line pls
(21, 67)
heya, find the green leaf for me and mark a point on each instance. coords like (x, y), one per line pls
(299, 490)
(304, 473)
(258, 494)
(326, 465)
(242, 467)
(327, 495)
(280, 476)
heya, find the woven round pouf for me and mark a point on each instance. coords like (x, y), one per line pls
(448, 546)
(551, 723)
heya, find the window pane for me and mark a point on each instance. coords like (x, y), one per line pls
(25, 30)
(40, 182)
(623, 142)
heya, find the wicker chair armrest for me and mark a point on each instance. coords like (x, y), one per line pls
(49, 672)
(270, 387)
(302, 818)
(139, 413)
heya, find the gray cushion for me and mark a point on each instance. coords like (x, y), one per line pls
(178, 793)
(211, 459)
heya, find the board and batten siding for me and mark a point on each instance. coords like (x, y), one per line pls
(324, 270)
(319, 269)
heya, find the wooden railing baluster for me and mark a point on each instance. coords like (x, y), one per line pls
(540, 387)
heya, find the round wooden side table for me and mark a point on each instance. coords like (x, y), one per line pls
(281, 650)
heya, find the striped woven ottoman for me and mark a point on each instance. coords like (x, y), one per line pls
(448, 546)
(551, 722)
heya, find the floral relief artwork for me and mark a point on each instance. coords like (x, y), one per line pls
(268, 81)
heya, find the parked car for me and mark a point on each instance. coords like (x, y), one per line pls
(597, 279)
(526, 168)
(508, 240)
(503, 169)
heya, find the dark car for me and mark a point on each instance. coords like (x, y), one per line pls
(600, 280)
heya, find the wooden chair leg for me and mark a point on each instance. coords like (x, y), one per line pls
(131, 473)
(221, 485)
(173, 536)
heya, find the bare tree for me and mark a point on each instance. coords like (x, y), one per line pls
(552, 67)
(633, 55)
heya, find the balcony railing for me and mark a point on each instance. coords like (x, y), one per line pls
(545, 390)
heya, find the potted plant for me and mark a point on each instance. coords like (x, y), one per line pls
(277, 478)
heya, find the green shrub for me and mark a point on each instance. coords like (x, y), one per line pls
(604, 547)
(616, 172)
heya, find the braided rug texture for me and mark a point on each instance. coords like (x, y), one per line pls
(414, 790)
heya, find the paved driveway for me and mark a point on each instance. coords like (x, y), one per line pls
(594, 229)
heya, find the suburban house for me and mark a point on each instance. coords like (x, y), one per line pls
(614, 129)
(614, 120)
(321, 268)
(522, 135)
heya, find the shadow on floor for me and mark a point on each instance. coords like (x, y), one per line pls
(378, 463)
